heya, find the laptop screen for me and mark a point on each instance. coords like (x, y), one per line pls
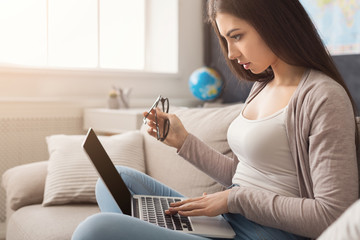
(107, 172)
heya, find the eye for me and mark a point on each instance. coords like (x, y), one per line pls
(237, 37)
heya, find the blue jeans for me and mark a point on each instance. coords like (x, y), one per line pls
(112, 224)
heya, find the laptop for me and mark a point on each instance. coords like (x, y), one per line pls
(150, 208)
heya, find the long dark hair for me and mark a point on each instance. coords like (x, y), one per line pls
(288, 31)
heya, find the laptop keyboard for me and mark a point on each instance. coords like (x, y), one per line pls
(153, 210)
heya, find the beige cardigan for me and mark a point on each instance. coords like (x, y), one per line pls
(321, 132)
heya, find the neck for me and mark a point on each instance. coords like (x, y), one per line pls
(286, 75)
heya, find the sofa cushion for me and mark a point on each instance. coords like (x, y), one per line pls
(71, 175)
(48, 223)
(25, 184)
(162, 161)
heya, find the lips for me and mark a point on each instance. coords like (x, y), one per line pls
(246, 65)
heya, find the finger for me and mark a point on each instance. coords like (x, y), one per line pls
(152, 132)
(150, 115)
(187, 207)
(155, 128)
(204, 194)
(151, 124)
(189, 200)
(195, 212)
(170, 212)
(160, 119)
(161, 114)
(146, 114)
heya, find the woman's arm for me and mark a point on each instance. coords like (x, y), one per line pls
(218, 166)
(215, 164)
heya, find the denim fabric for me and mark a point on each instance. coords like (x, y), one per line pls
(112, 224)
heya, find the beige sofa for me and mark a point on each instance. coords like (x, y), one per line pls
(29, 218)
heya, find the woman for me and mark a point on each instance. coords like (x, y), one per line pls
(295, 169)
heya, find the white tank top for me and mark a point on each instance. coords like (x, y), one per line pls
(265, 160)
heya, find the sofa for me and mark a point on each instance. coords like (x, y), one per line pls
(46, 200)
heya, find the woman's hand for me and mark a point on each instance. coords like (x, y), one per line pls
(208, 205)
(177, 132)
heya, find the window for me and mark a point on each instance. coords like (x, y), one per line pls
(138, 35)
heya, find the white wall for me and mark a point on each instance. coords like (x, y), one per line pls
(91, 88)
(37, 103)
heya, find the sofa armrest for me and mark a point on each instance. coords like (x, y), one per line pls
(24, 184)
(347, 226)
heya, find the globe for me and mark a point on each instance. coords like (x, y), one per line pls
(205, 84)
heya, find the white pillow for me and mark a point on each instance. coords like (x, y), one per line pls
(71, 175)
(346, 227)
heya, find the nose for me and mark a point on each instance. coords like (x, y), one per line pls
(233, 52)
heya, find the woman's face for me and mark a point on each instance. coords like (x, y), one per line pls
(245, 44)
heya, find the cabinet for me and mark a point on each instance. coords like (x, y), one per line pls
(113, 120)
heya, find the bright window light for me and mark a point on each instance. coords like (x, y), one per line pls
(23, 32)
(136, 35)
(162, 42)
(122, 34)
(72, 33)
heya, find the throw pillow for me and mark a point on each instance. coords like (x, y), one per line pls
(24, 184)
(347, 226)
(71, 175)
